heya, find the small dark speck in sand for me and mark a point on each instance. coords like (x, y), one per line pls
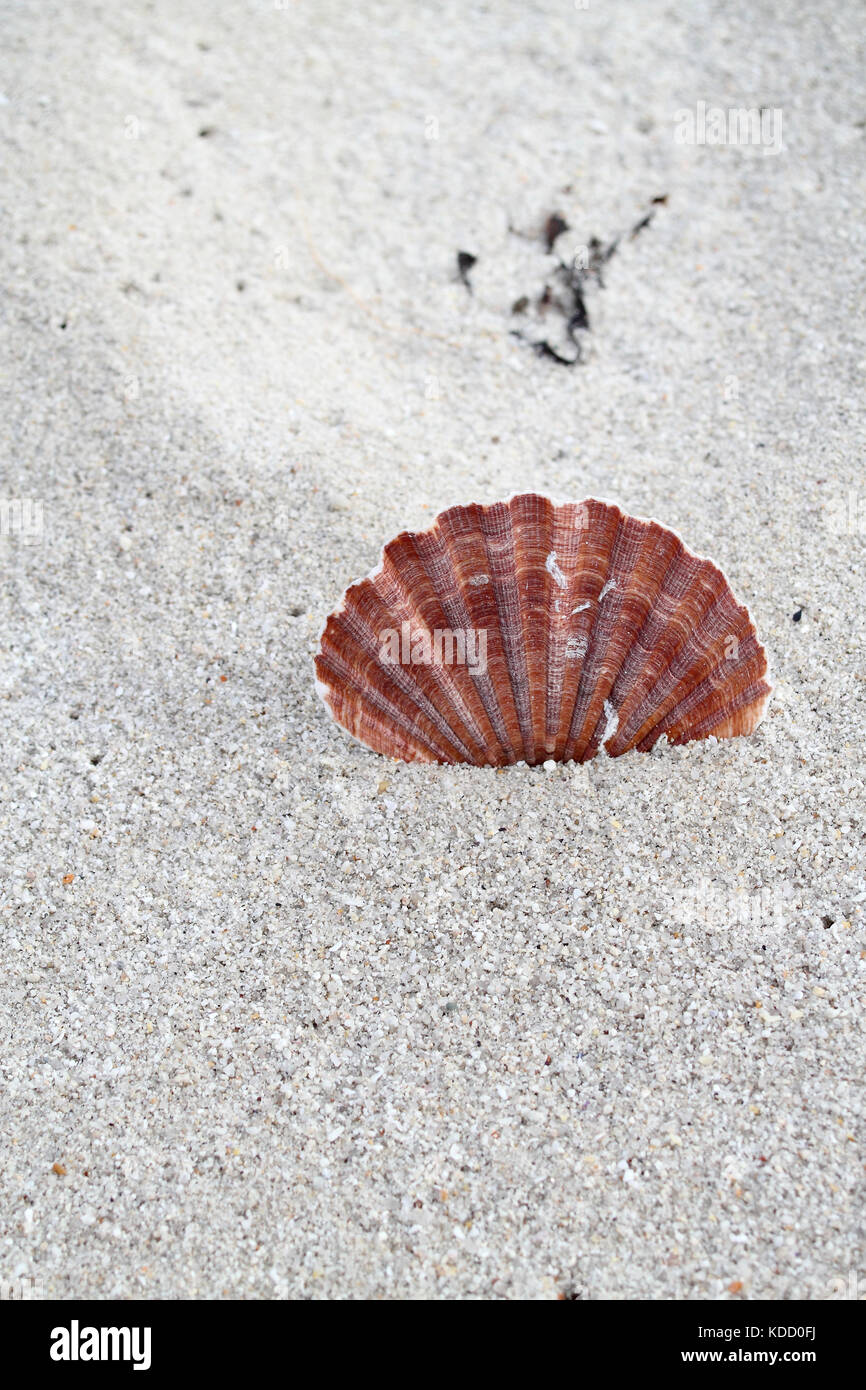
(465, 262)
(553, 228)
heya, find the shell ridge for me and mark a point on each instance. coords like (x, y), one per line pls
(563, 643)
(642, 592)
(650, 553)
(590, 581)
(614, 617)
(443, 676)
(436, 563)
(501, 643)
(362, 720)
(532, 520)
(562, 568)
(704, 693)
(503, 522)
(364, 643)
(638, 674)
(495, 519)
(586, 585)
(696, 655)
(484, 685)
(370, 694)
(687, 600)
(753, 703)
(590, 691)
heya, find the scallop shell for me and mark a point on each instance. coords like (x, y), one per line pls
(598, 629)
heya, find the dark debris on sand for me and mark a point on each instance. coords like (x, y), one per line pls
(465, 262)
(573, 279)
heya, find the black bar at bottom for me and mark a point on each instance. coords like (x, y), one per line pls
(230, 1339)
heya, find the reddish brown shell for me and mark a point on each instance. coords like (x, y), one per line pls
(598, 629)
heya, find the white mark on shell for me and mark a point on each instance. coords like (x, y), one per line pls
(479, 580)
(611, 584)
(612, 724)
(554, 571)
(580, 607)
(575, 648)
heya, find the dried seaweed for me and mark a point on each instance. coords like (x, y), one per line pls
(573, 279)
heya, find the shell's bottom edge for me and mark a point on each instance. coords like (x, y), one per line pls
(638, 751)
(740, 723)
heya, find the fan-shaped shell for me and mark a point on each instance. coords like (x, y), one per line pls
(598, 629)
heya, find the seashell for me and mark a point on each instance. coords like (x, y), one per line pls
(528, 631)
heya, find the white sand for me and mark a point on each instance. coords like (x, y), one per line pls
(304, 1022)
